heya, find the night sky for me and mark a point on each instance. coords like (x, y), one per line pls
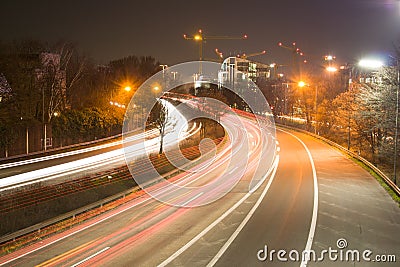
(106, 30)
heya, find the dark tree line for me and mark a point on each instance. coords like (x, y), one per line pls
(56, 85)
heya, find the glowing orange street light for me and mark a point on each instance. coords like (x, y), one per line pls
(127, 88)
(329, 58)
(301, 84)
(331, 69)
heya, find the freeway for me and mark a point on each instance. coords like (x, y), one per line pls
(352, 207)
(313, 197)
(22, 166)
(150, 215)
(74, 164)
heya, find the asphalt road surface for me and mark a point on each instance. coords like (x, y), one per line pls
(314, 197)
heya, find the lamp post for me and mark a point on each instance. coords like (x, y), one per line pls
(44, 124)
(163, 66)
(350, 87)
(316, 110)
(396, 122)
(366, 64)
(302, 84)
(174, 73)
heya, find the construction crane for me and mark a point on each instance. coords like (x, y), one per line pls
(201, 38)
(245, 56)
(276, 67)
(296, 52)
(219, 54)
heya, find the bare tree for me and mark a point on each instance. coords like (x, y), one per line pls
(161, 121)
(56, 77)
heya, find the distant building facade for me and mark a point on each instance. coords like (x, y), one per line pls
(239, 69)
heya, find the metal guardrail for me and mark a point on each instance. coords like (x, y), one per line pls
(387, 180)
(72, 214)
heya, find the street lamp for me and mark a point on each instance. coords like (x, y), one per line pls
(174, 73)
(370, 63)
(396, 122)
(376, 64)
(127, 88)
(366, 64)
(301, 84)
(329, 58)
(331, 69)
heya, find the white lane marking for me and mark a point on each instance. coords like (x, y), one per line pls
(207, 229)
(90, 257)
(84, 228)
(313, 225)
(69, 168)
(246, 219)
(234, 169)
(276, 161)
(193, 198)
(88, 226)
(74, 152)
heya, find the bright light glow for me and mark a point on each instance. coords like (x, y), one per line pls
(331, 69)
(272, 65)
(156, 88)
(281, 75)
(370, 63)
(329, 57)
(197, 37)
(127, 88)
(176, 131)
(301, 84)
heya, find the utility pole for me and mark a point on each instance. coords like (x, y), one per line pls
(44, 124)
(397, 121)
(316, 110)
